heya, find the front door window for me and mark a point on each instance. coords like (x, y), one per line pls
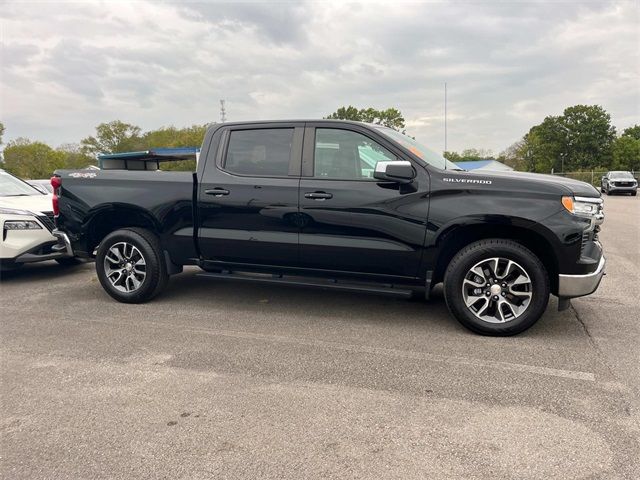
(347, 155)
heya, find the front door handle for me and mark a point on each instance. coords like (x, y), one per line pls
(217, 192)
(318, 195)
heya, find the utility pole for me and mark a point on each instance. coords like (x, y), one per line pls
(445, 116)
(223, 112)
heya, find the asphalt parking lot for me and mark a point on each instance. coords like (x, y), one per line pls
(216, 379)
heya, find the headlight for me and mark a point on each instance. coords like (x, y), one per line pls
(583, 206)
(21, 225)
(14, 211)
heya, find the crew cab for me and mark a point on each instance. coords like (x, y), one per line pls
(337, 204)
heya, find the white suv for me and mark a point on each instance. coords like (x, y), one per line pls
(26, 220)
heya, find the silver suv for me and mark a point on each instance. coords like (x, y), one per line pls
(619, 182)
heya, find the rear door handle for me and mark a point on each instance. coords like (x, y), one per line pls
(318, 195)
(217, 192)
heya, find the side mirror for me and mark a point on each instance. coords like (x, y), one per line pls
(399, 172)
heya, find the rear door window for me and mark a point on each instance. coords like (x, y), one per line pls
(260, 152)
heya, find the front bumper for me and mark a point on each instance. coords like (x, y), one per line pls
(29, 245)
(626, 189)
(571, 286)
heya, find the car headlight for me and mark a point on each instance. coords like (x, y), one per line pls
(21, 225)
(583, 206)
(14, 211)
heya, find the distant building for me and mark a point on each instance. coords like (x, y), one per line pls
(484, 165)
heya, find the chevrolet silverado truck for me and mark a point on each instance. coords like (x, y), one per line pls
(337, 204)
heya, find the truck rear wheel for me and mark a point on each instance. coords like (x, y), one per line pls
(130, 265)
(496, 287)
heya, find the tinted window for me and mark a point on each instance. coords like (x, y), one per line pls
(345, 155)
(264, 152)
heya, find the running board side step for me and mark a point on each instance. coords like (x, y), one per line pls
(384, 289)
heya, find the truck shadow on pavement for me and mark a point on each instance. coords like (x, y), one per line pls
(202, 294)
(50, 270)
(200, 297)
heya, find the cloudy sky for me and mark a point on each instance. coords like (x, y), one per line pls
(68, 66)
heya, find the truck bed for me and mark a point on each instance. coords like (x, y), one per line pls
(163, 199)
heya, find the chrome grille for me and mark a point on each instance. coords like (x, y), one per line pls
(48, 220)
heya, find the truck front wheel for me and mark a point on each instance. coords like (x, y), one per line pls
(496, 287)
(130, 265)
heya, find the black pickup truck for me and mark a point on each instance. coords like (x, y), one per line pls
(344, 205)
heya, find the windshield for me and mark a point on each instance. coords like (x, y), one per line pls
(621, 175)
(11, 186)
(426, 154)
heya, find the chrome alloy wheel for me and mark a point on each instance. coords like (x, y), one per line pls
(497, 290)
(125, 267)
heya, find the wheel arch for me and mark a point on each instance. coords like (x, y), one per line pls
(457, 237)
(115, 217)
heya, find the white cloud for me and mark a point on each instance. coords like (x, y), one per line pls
(68, 66)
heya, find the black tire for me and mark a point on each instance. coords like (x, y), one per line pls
(476, 252)
(148, 245)
(69, 261)
(633, 194)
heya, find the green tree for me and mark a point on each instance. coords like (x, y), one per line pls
(74, 157)
(391, 117)
(633, 132)
(472, 154)
(579, 139)
(588, 136)
(626, 153)
(545, 146)
(31, 160)
(469, 155)
(112, 137)
(167, 137)
(452, 156)
(347, 113)
(515, 156)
